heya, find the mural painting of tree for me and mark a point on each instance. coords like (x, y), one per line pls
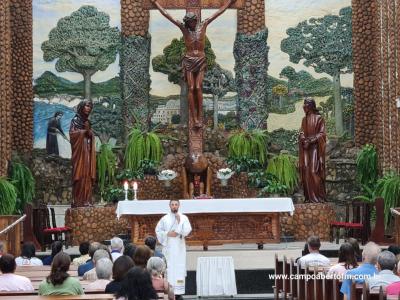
(280, 90)
(324, 44)
(218, 82)
(169, 63)
(84, 43)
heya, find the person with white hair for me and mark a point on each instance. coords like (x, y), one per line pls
(369, 256)
(386, 265)
(103, 272)
(156, 267)
(117, 247)
(99, 254)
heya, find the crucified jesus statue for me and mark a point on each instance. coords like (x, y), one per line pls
(194, 62)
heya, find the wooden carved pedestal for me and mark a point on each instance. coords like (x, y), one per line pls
(217, 229)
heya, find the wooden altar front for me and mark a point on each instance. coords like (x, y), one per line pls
(214, 221)
(216, 229)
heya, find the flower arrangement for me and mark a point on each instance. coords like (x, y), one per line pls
(166, 175)
(224, 173)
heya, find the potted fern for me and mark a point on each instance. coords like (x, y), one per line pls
(8, 197)
(24, 183)
(106, 166)
(388, 187)
(284, 168)
(367, 165)
(142, 145)
(251, 144)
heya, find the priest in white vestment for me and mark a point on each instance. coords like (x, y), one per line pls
(171, 231)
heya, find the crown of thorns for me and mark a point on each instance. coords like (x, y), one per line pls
(189, 17)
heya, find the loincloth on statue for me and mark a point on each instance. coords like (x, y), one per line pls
(193, 64)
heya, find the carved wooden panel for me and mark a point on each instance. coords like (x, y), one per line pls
(183, 4)
(217, 229)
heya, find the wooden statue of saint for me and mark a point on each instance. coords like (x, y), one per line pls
(194, 62)
(83, 155)
(196, 177)
(312, 144)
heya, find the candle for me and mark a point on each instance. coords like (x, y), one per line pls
(135, 186)
(126, 186)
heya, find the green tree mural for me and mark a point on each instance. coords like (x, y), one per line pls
(280, 90)
(218, 82)
(83, 43)
(169, 63)
(324, 44)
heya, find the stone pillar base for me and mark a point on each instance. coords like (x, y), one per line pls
(308, 219)
(94, 223)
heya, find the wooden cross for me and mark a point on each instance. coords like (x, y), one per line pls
(194, 6)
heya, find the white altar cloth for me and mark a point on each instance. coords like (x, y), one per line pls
(215, 276)
(238, 205)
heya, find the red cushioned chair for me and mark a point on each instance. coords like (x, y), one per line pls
(48, 229)
(358, 227)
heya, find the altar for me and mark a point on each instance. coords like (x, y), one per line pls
(214, 221)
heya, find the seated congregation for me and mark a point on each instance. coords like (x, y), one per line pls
(101, 272)
(370, 273)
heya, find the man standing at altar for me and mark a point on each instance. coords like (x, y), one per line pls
(171, 231)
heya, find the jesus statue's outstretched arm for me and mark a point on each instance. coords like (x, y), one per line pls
(219, 12)
(166, 14)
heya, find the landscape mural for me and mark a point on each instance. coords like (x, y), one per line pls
(62, 79)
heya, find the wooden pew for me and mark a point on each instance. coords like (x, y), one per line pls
(278, 281)
(286, 281)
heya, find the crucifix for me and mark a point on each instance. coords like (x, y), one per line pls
(194, 66)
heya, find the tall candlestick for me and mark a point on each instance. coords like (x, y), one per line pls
(126, 187)
(135, 188)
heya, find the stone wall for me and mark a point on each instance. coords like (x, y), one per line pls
(5, 86)
(308, 219)
(251, 64)
(94, 224)
(214, 141)
(376, 78)
(22, 72)
(53, 178)
(135, 62)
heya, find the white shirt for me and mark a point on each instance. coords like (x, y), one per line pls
(115, 255)
(99, 284)
(23, 261)
(314, 260)
(12, 283)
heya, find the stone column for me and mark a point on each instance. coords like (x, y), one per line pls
(135, 62)
(5, 86)
(22, 72)
(376, 79)
(251, 56)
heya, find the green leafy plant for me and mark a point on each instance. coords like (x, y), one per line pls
(130, 175)
(258, 178)
(284, 168)
(388, 187)
(368, 194)
(149, 166)
(367, 165)
(272, 186)
(113, 194)
(251, 144)
(243, 164)
(24, 183)
(8, 197)
(142, 145)
(106, 165)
